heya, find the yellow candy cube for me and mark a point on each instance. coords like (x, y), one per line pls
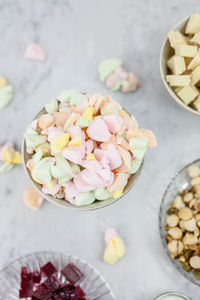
(91, 156)
(17, 159)
(3, 82)
(75, 141)
(8, 155)
(59, 142)
(117, 193)
(88, 114)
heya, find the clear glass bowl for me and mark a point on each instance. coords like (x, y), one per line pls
(176, 185)
(93, 284)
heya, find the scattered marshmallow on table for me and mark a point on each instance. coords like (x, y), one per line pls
(115, 248)
(35, 52)
(32, 198)
(9, 157)
(87, 152)
(6, 92)
(116, 77)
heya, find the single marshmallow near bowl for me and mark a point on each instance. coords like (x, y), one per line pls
(115, 248)
(6, 93)
(32, 198)
(9, 157)
(35, 52)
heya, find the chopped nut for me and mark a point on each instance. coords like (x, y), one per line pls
(178, 202)
(197, 189)
(197, 206)
(175, 246)
(194, 171)
(175, 232)
(195, 262)
(190, 239)
(188, 197)
(198, 223)
(182, 259)
(190, 225)
(185, 213)
(192, 203)
(195, 181)
(172, 220)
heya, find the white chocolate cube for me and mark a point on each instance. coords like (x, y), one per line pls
(176, 64)
(195, 76)
(188, 94)
(194, 62)
(193, 24)
(196, 38)
(175, 38)
(185, 50)
(196, 103)
(178, 80)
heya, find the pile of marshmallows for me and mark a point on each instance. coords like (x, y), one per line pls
(85, 148)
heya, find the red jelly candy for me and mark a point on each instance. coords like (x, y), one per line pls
(42, 293)
(52, 283)
(72, 273)
(80, 292)
(48, 269)
(26, 283)
(36, 276)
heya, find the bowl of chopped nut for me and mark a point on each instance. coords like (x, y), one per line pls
(180, 63)
(179, 221)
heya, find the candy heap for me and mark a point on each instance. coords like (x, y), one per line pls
(6, 93)
(116, 77)
(46, 284)
(115, 248)
(9, 157)
(85, 148)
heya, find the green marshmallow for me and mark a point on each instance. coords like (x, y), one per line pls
(83, 123)
(6, 167)
(77, 99)
(31, 131)
(138, 147)
(52, 106)
(37, 156)
(33, 140)
(61, 168)
(74, 168)
(102, 194)
(66, 95)
(65, 179)
(135, 165)
(42, 170)
(109, 108)
(6, 94)
(64, 109)
(108, 66)
(84, 199)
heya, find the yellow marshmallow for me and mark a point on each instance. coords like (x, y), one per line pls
(88, 114)
(91, 156)
(75, 141)
(117, 193)
(17, 159)
(49, 185)
(3, 82)
(8, 155)
(114, 250)
(59, 142)
(36, 179)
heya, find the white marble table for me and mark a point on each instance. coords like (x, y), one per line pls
(77, 35)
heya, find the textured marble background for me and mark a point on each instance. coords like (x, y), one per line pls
(77, 35)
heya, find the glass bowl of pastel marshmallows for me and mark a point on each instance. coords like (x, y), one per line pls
(84, 151)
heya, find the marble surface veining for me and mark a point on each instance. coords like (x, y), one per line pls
(77, 35)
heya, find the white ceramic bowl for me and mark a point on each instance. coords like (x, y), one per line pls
(95, 205)
(165, 53)
(163, 296)
(93, 284)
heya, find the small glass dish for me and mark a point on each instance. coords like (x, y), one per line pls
(177, 184)
(164, 296)
(93, 284)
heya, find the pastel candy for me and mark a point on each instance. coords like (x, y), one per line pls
(112, 140)
(91, 156)
(97, 101)
(81, 185)
(110, 233)
(92, 178)
(113, 156)
(98, 131)
(135, 165)
(66, 95)
(32, 198)
(52, 106)
(77, 99)
(115, 249)
(60, 118)
(107, 66)
(3, 82)
(54, 132)
(61, 168)
(37, 156)
(115, 80)
(82, 106)
(127, 119)
(118, 193)
(17, 158)
(62, 181)
(87, 115)
(142, 133)
(59, 142)
(85, 198)
(133, 83)
(114, 122)
(74, 155)
(89, 144)
(126, 160)
(42, 170)
(109, 108)
(8, 155)
(74, 168)
(75, 141)
(51, 190)
(34, 125)
(120, 181)
(35, 52)
(102, 193)
(45, 121)
(33, 141)
(94, 165)
(64, 107)
(6, 95)
(83, 123)
(138, 147)
(6, 167)
(31, 131)
(71, 190)
(73, 118)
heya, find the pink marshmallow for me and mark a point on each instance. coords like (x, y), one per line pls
(75, 155)
(119, 182)
(110, 233)
(73, 118)
(34, 124)
(71, 191)
(81, 185)
(98, 131)
(53, 132)
(89, 144)
(35, 52)
(113, 122)
(113, 156)
(94, 165)
(91, 177)
(116, 77)
(81, 107)
(54, 191)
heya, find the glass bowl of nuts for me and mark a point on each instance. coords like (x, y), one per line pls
(179, 221)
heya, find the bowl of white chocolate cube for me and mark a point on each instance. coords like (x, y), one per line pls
(180, 63)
